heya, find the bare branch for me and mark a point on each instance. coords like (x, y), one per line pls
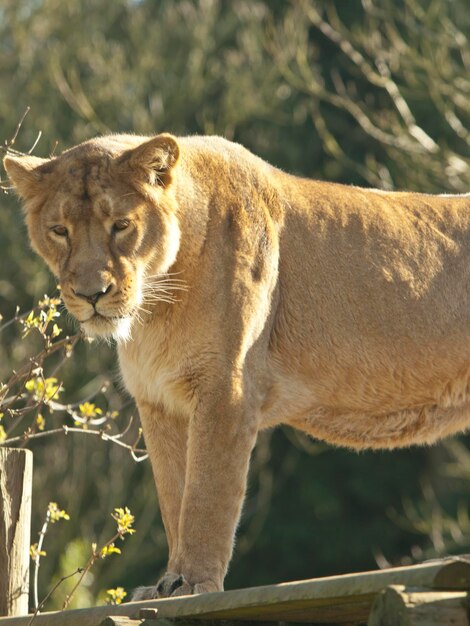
(10, 143)
(79, 570)
(138, 454)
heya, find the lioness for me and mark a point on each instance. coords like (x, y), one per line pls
(341, 311)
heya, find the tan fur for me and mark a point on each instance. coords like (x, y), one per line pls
(341, 311)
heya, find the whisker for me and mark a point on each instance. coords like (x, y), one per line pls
(159, 298)
(156, 301)
(163, 279)
(161, 292)
(175, 281)
(164, 275)
(156, 292)
(138, 316)
(169, 285)
(167, 299)
(154, 296)
(158, 286)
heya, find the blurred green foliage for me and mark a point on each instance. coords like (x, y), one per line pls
(371, 92)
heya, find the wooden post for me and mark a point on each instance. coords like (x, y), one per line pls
(16, 473)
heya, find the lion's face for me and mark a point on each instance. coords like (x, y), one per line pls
(103, 218)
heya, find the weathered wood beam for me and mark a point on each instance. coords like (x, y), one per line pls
(120, 620)
(398, 605)
(149, 617)
(334, 600)
(16, 473)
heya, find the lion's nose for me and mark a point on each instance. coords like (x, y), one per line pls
(93, 298)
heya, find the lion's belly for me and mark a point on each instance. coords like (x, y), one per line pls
(387, 399)
(363, 394)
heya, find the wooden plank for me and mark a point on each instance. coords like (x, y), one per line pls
(333, 600)
(148, 617)
(120, 620)
(16, 473)
(398, 605)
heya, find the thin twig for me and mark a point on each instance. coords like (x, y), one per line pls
(7, 147)
(10, 143)
(54, 148)
(26, 436)
(95, 555)
(14, 319)
(37, 559)
(58, 583)
(35, 143)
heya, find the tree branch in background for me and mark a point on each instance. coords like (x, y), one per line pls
(29, 391)
(375, 78)
(7, 147)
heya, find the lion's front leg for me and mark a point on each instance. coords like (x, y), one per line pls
(166, 441)
(221, 438)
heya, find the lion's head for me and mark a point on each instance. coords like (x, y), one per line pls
(102, 215)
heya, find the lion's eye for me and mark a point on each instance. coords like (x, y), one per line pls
(121, 225)
(60, 230)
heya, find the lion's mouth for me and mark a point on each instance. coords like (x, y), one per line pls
(105, 318)
(108, 326)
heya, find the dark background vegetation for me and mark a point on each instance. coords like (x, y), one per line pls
(371, 92)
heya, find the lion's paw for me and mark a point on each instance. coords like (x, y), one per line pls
(166, 587)
(144, 593)
(206, 587)
(171, 586)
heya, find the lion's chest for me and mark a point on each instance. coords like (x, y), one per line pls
(153, 371)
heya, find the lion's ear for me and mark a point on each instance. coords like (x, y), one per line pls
(26, 173)
(152, 162)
